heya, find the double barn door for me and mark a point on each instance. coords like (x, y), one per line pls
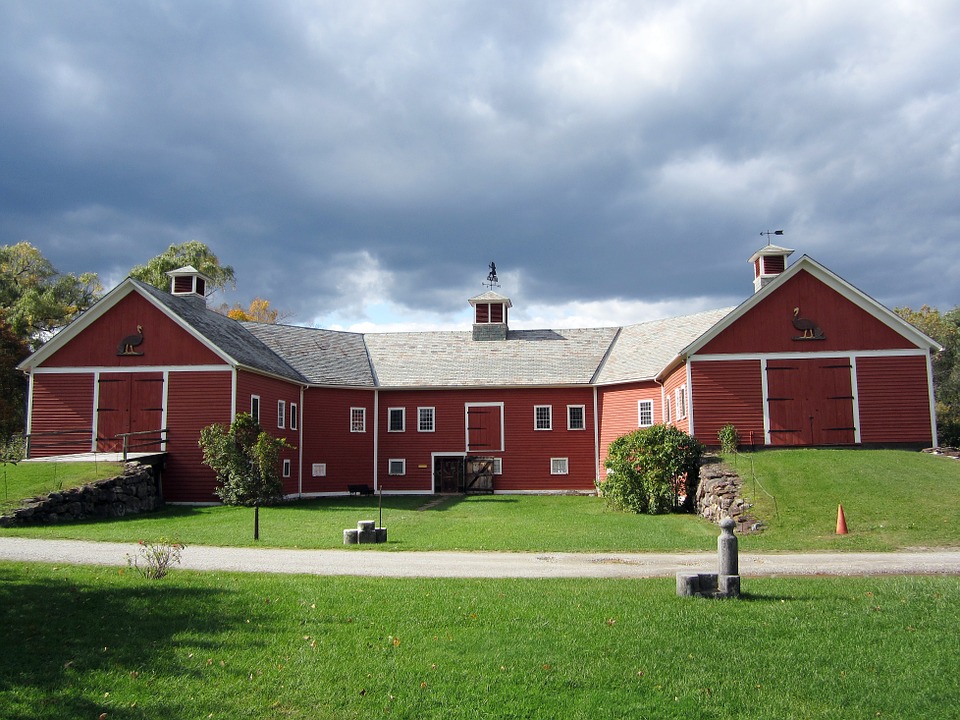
(811, 402)
(129, 403)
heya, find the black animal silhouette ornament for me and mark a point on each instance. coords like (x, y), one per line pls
(808, 328)
(127, 345)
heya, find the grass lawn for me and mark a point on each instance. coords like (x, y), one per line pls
(28, 479)
(892, 500)
(81, 641)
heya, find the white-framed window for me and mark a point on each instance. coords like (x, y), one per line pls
(358, 419)
(396, 419)
(543, 417)
(426, 419)
(287, 466)
(498, 466)
(559, 466)
(281, 413)
(318, 470)
(255, 407)
(576, 417)
(667, 415)
(294, 416)
(397, 466)
(644, 413)
(681, 406)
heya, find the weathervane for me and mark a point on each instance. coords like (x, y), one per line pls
(768, 233)
(492, 280)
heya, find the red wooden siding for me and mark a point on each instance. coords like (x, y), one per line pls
(164, 342)
(271, 391)
(676, 380)
(61, 403)
(195, 400)
(894, 400)
(810, 402)
(768, 327)
(327, 440)
(129, 403)
(727, 392)
(619, 412)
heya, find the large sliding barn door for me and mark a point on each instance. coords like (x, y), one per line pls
(129, 403)
(810, 402)
(484, 428)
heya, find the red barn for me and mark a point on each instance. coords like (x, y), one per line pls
(807, 360)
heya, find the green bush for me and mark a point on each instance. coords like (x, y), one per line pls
(729, 438)
(650, 470)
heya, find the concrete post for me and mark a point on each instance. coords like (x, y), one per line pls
(727, 548)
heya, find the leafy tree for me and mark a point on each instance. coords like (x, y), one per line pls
(193, 253)
(259, 311)
(651, 468)
(13, 384)
(247, 463)
(945, 329)
(36, 297)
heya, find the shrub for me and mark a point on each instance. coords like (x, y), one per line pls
(729, 439)
(651, 469)
(153, 559)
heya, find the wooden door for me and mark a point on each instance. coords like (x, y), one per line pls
(448, 472)
(810, 402)
(484, 429)
(129, 403)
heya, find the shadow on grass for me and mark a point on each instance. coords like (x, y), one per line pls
(66, 642)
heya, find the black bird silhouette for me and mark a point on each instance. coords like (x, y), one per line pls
(127, 345)
(808, 328)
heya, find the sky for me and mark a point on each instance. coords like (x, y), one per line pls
(359, 164)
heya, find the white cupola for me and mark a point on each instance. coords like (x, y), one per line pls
(768, 262)
(188, 281)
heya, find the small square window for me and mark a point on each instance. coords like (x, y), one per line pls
(358, 420)
(576, 417)
(294, 416)
(645, 413)
(396, 421)
(426, 419)
(319, 470)
(543, 417)
(398, 467)
(559, 466)
(281, 413)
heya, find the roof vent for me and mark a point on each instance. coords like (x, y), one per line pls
(490, 316)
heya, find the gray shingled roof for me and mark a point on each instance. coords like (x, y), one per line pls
(224, 333)
(526, 357)
(643, 350)
(323, 357)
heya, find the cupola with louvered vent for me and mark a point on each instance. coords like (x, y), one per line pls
(768, 262)
(188, 281)
(490, 316)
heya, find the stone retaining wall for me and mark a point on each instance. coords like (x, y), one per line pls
(135, 491)
(719, 496)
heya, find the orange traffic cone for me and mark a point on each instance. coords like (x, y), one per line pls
(841, 521)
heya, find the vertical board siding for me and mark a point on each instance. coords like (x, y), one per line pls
(810, 402)
(727, 392)
(61, 403)
(194, 400)
(271, 391)
(894, 400)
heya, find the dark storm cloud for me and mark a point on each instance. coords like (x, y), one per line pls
(623, 156)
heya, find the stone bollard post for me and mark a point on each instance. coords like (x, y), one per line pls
(727, 548)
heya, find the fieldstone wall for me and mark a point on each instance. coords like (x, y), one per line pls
(134, 491)
(719, 496)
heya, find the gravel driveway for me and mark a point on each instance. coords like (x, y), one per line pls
(369, 562)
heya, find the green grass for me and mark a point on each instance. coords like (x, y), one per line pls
(892, 500)
(81, 641)
(28, 479)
